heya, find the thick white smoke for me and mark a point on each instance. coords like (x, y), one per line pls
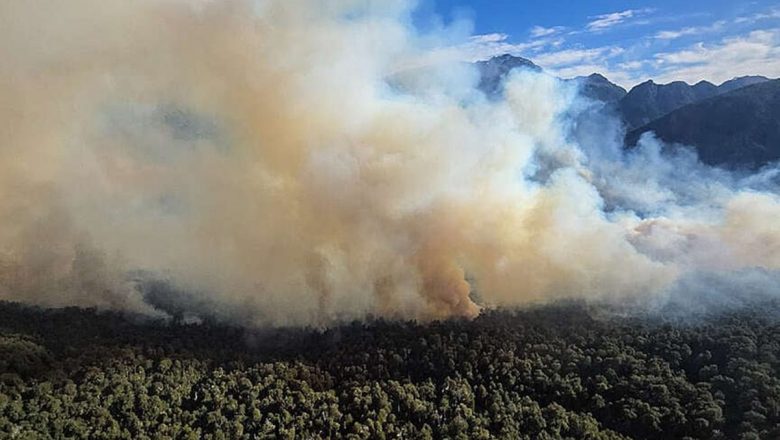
(292, 159)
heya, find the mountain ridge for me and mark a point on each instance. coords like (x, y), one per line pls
(739, 128)
(648, 101)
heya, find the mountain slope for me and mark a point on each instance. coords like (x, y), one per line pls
(740, 128)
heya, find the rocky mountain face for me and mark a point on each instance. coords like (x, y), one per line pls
(737, 129)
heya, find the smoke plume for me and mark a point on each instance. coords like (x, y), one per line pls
(301, 162)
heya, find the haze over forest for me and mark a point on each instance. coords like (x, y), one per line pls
(307, 219)
(304, 164)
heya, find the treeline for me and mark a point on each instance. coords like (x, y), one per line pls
(544, 373)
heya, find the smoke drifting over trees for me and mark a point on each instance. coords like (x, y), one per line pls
(300, 161)
(542, 373)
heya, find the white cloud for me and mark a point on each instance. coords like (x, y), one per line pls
(632, 65)
(757, 53)
(696, 30)
(606, 21)
(567, 57)
(770, 14)
(754, 53)
(477, 48)
(488, 38)
(482, 47)
(540, 31)
(581, 62)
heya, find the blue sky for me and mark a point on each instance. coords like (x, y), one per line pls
(628, 41)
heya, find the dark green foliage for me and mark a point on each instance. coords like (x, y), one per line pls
(545, 373)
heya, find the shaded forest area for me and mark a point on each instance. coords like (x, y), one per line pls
(542, 373)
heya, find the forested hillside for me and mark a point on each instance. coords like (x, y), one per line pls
(553, 372)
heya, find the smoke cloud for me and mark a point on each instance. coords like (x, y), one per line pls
(299, 161)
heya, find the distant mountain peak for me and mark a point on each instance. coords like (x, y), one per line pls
(597, 87)
(494, 70)
(595, 77)
(509, 57)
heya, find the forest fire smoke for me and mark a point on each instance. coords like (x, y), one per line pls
(282, 157)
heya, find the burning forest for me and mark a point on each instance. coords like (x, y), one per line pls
(308, 179)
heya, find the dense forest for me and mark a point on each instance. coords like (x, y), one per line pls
(541, 373)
